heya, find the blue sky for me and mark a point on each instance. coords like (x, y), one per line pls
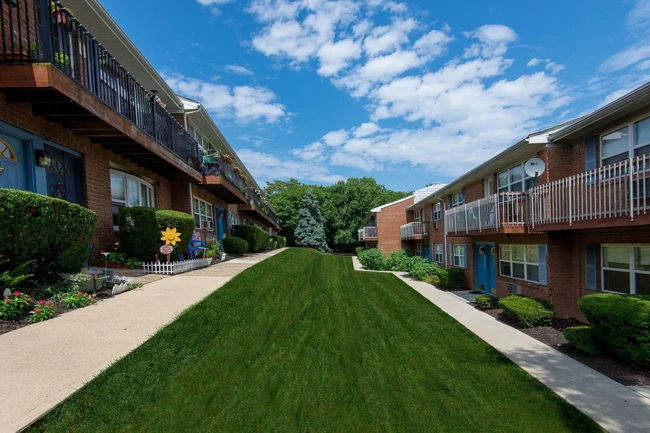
(408, 92)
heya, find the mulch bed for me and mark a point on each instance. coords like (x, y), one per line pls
(603, 363)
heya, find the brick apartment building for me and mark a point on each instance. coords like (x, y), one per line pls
(581, 226)
(85, 117)
(384, 226)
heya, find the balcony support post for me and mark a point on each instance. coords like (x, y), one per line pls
(630, 170)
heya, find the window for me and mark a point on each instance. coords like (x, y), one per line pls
(129, 191)
(515, 180)
(203, 218)
(460, 255)
(438, 253)
(436, 211)
(417, 215)
(419, 250)
(626, 269)
(520, 261)
(234, 220)
(618, 145)
(457, 199)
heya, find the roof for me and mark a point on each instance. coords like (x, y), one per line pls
(92, 15)
(379, 208)
(423, 193)
(622, 106)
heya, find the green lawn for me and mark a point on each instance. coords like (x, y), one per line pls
(302, 343)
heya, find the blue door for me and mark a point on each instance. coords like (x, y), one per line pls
(221, 224)
(12, 162)
(64, 175)
(427, 253)
(485, 267)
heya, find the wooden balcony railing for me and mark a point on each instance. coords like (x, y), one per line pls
(414, 230)
(367, 233)
(44, 31)
(621, 189)
(489, 213)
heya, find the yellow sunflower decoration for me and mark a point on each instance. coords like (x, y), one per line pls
(170, 236)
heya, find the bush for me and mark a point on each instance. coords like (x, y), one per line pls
(42, 311)
(358, 250)
(456, 277)
(373, 260)
(15, 306)
(13, 278)
(528, 312)
(397, 261)
(235, 245)
(140, 229)
(78, 299)
(53, 232)
(282, 242)
(621, 324)
(485, 301)
(582, 339)
(420, 269)
(257, 238)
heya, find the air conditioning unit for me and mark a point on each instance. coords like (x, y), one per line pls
(513, 289)
(435, 225)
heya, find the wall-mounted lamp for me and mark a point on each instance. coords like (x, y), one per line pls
(41, 159)
(2, 169)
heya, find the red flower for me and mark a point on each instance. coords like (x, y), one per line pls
(41, 303)
(101, 251)
(36, 310)
(49, 304)
(7, 300)
(79, 293)
(16, 293)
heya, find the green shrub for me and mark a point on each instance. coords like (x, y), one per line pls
(235, 245)
(42, 311)
(621, 324)
(257, 238)
(582, 338)
(358, 250)
(528, 312)
(420, 269)
(456, 277)
(15, 306)
(435, 279)
(397, 261)
(140, 229)
(373, 260)
(282, 241)
(14, 277)
(52, 232)
(485, 301)
(78, 299)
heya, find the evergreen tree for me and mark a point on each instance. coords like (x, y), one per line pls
(310, 231)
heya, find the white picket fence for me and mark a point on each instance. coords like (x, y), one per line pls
(173, 268)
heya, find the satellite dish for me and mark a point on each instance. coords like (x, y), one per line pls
(534, 167)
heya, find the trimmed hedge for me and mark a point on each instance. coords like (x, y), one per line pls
(373, 260)
(235, 245)
(582, 339)
(420, 269)
(52, 232)
(528, 312)
(257, 238)
(282, 241)
(140, 229)
(621, 323)
(451, 278)
(485, 301)
(358, 251)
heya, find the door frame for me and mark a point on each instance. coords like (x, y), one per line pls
(490, 267)
(221, 224)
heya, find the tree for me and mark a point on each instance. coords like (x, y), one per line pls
(310, 231)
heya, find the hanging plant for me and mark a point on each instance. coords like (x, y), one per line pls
(227, 158)
(244, 177)
(237, 170)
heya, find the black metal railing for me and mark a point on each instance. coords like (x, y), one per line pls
(45, 31)
(256, 199)
(218, 166)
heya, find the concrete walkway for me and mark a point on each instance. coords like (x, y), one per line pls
(612, 405)
(43, 363)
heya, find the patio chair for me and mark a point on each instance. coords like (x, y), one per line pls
(195, 248)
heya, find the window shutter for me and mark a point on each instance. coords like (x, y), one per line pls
(448, 202)
(543, 268)
(591, 145)
(591, 268)
(464, 246)
(451, 254)
(443, 254)
(464, 196)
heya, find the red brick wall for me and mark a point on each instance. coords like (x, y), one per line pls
(389, 221)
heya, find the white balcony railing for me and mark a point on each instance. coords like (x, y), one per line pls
(489, 213)
(367, 233)
(621, 189)
(414, 229)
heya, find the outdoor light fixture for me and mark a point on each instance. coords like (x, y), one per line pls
(2, 169)
(42, 160)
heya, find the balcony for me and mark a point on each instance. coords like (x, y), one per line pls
(50, 61)
(415, 230)
(367, 234)
(222, 179)
(498, 213)
(259, 209)
(615, 195)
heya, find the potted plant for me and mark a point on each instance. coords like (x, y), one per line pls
(237, 170)
(227, 158)
(84, 282)
(60, 15)
(244, 177)
(133, 263)
(61, 59)
(114, 260)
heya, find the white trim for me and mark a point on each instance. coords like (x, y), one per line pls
(151, 193)
(631, 136)
(632, 271)
(463, 256)
(379, 208)
(197, 212)
(525, 262)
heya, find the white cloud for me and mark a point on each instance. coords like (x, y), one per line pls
(245, 104)
(366, 129)
(255, 140)
(433, 43)
(266, 167)
(626, 57)
(552, 67)
(493, 40)
(239, 70)
(312, 152)
(533, 62)
(638, 26)
(214, 4)
(386, 39)
(335, 138)
(336, 56)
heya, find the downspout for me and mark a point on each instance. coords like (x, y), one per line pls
(444, 245)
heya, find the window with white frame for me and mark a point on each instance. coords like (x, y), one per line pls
(203, 216)
(629, 141)
(515, 179)
(234, 220)
(417, 215)
(520, 261)
(438, 253)
(457, 199)
(460, 255)
(419, 250)
(436, 211)
(129, 191)
(626, 269)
